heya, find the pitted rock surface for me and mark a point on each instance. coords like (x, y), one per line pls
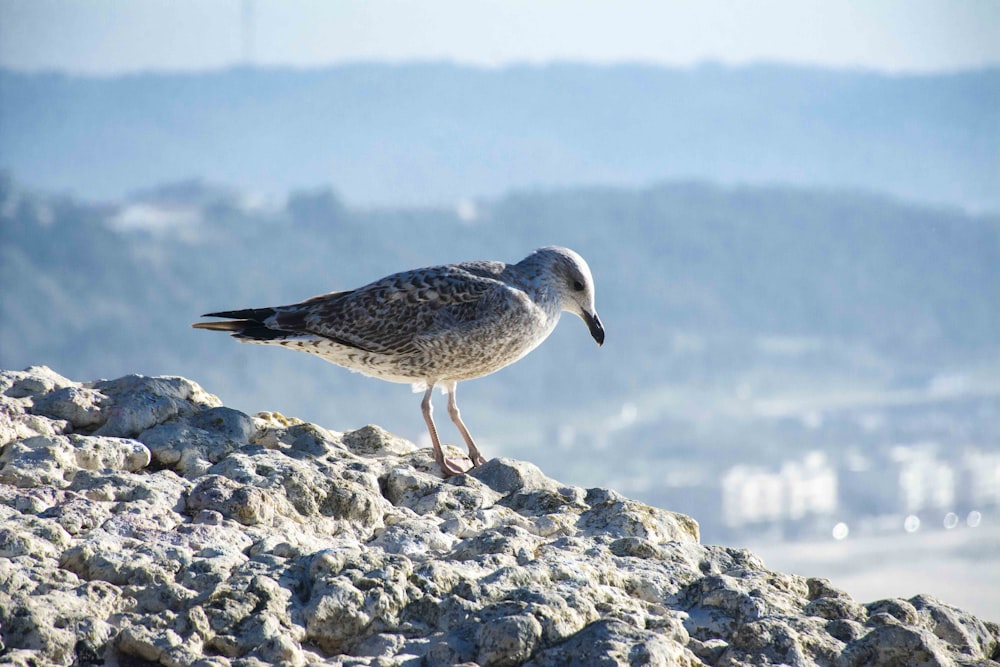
(141, 522)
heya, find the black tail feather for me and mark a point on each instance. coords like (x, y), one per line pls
(246, 324)
(253, 314)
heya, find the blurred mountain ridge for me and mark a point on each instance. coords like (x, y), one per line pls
(419, 134)
(691, 278)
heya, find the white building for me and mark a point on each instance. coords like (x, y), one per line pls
(979, 475)
(796, 491)
(924, 481)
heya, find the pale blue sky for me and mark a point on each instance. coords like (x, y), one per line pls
(114, 36)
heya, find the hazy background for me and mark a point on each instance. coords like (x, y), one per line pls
(792, 211)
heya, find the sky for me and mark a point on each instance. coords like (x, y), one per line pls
(106, 37)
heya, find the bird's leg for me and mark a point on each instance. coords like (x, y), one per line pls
(456, 416)
(447, 466)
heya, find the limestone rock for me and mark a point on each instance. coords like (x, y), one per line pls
(141, 522)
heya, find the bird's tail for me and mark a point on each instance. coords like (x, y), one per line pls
(248, 324)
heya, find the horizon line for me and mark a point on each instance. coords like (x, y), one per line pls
(702, 64)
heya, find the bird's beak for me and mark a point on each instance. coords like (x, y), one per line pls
(595, 326)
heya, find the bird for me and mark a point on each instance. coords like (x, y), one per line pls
(432, 327)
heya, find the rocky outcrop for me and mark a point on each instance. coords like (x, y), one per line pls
(141, 522)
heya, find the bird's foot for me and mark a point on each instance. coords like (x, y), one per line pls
(478, 460)
(451, 466)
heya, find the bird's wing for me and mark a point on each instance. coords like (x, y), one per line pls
(392, 315)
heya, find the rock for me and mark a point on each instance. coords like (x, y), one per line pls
(17, 390)
(374, 441)
(509, 640)
(55, 460)
(32, 381)
(80, 406)
(136, 403)
(141, 522)
(613, 643)
(897, 645)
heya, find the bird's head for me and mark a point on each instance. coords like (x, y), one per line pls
(575, 285)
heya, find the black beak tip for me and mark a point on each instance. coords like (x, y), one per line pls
(596, 328)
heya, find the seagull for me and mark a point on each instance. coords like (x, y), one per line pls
(432, 327)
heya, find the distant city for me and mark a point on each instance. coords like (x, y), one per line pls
(878, 485)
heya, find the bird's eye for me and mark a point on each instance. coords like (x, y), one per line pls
(577, 285)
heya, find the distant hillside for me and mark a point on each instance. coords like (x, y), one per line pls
(689, 279)
(434, 134)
